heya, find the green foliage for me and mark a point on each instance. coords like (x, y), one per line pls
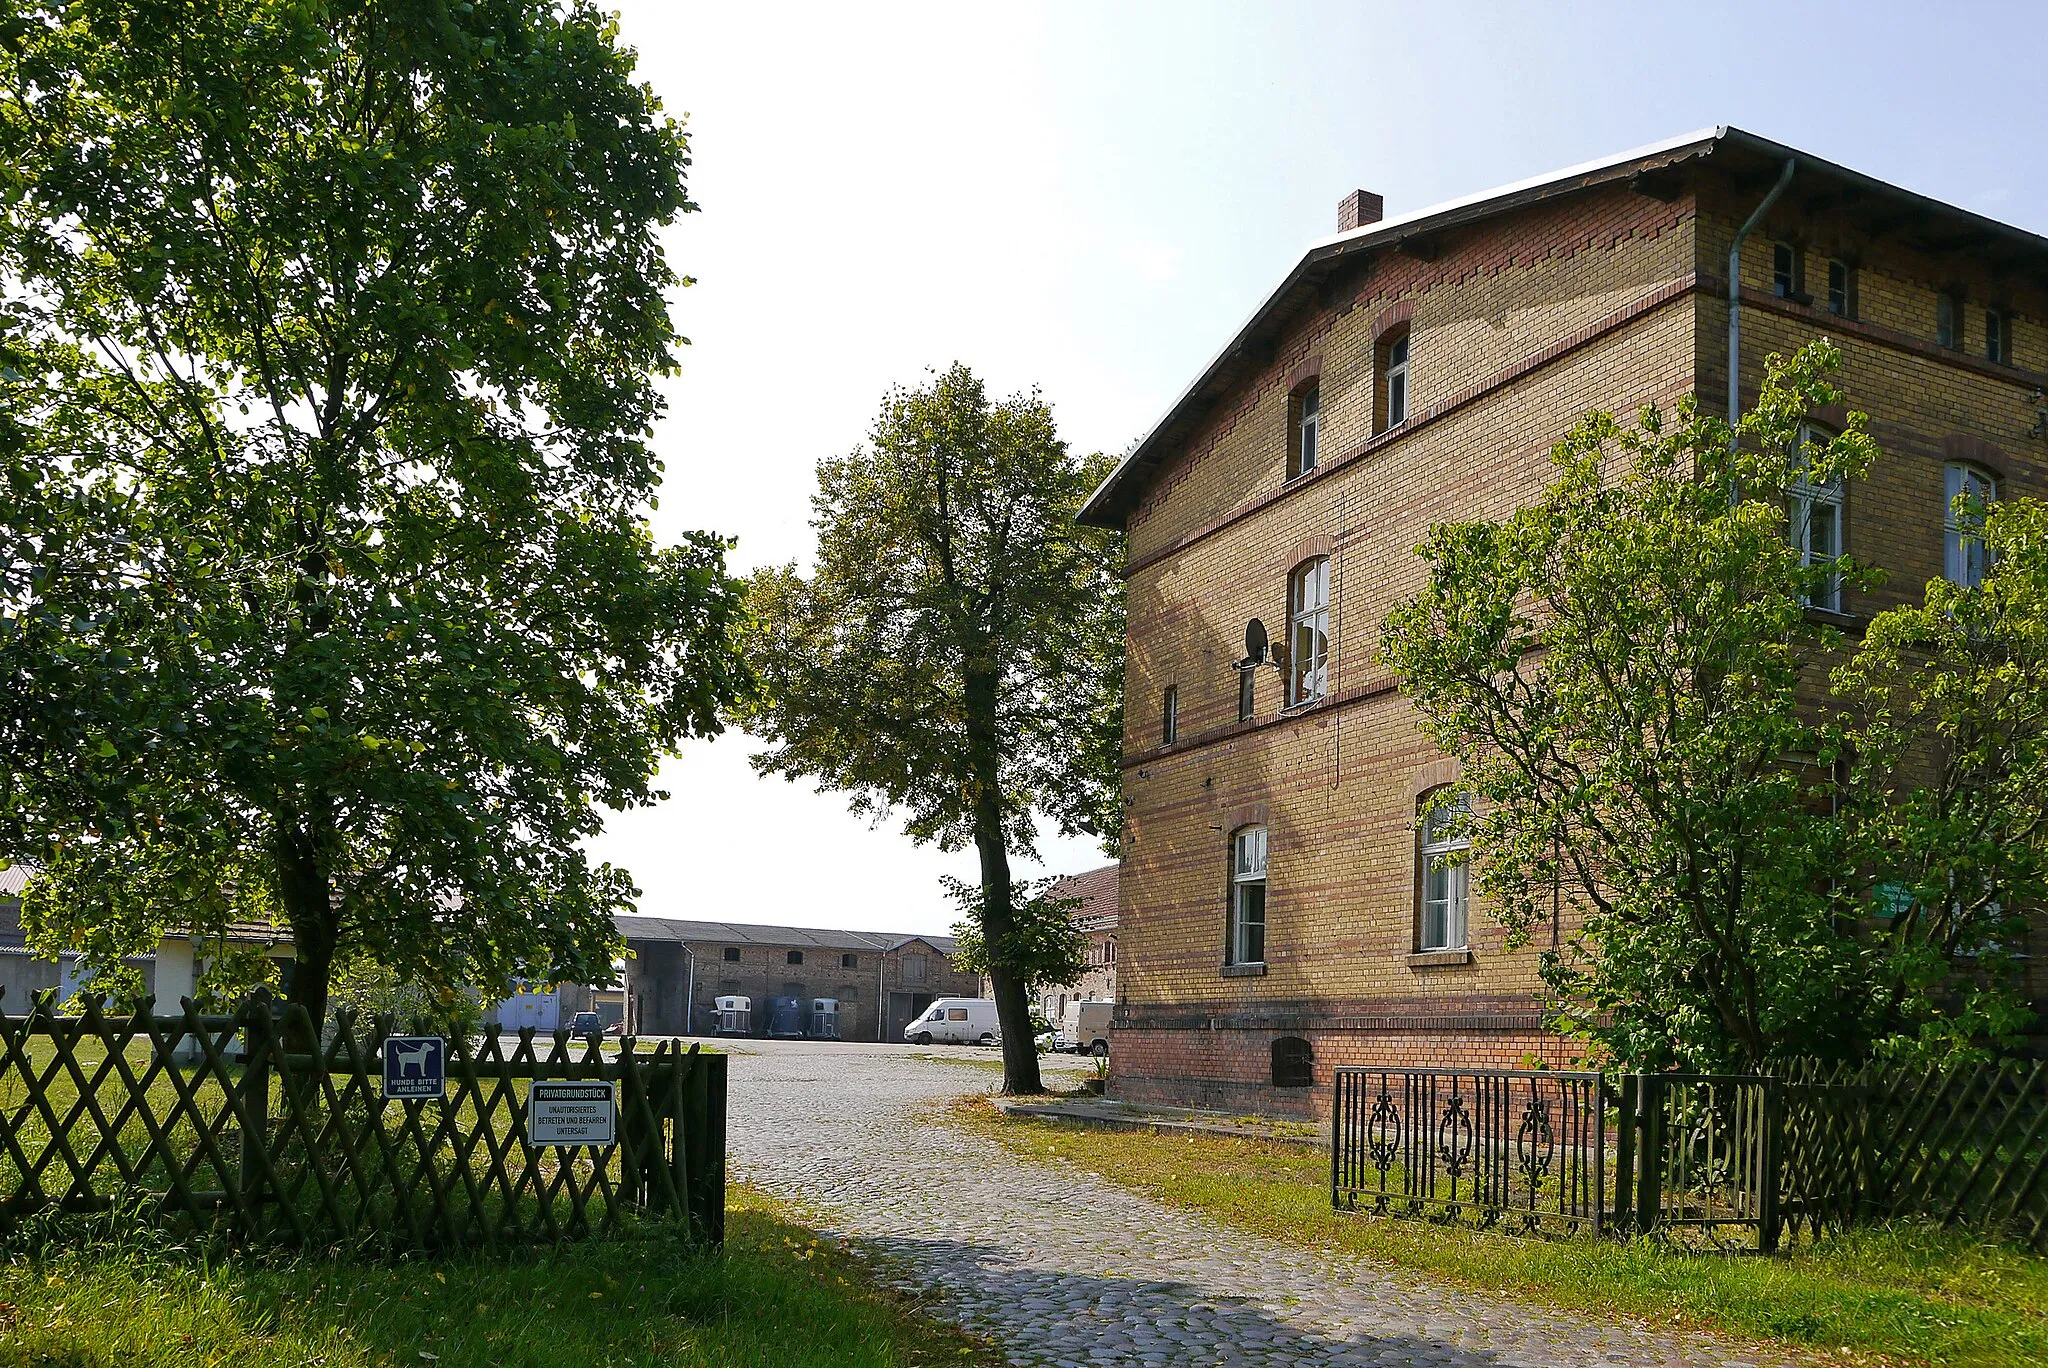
(1617, 667)
(331, 336)
(956, 654)
(1043, 945)
(1948, 724)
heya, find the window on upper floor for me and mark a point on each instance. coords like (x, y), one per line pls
(1169, 716)
(732, 954)
(849, 961)
(1109, 950)
(1308, 615)
(1788, 272)
(1969, 491)
(1948, 319)
(1246, 940)
(1443, 879)
(1247, 692)
(1997, 337)
(1391, 409)
(1305, 410)
(1813, 515)
(796, 957)
(1841, 289)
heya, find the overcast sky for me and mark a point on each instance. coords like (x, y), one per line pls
(1090, 199)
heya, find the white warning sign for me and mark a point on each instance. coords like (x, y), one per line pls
(563, 1113)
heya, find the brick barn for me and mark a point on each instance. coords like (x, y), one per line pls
(1275, 899)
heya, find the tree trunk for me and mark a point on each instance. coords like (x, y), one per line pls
(303, 887)
(991, 841)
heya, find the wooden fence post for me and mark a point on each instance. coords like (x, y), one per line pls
(255, 1104)
(1768, 1224)
(1649, 1152)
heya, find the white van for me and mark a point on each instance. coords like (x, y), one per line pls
(956, 1021)
(1084, 1027)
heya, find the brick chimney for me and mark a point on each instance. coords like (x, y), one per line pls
(1359, 208)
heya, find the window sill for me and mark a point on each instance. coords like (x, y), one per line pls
(1244, 970)
(1437, 959)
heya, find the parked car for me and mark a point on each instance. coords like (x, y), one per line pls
(1084, 1027)
(586, 1026)
(956, 1021)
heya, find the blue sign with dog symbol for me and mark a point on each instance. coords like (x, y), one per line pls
(415, 1066)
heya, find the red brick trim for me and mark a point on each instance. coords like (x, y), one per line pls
(1250, 815)
(1961, 446)
(1307, 549)
(1304, 374)
(1752, 297)
(1500, 379)
(1391, 317)
(1435, 774)
(1301, 712)
(1317, 1021)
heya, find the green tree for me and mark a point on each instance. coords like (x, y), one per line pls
(1948, 725)
(1619, 668)
(342, 323)
(1045, 946)
(956, 653)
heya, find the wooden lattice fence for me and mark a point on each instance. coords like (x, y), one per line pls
(221, 1124)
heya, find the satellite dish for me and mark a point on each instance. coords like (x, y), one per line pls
(1254, 642)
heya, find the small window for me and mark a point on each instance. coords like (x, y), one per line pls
(1247, 692)
(1294, 1063)
(1967, 490)
(1997, 337)
(1109, 950)
(732, 954)
(1813, 515)
(849, 961)
(1394, 387)
(1308, 410)
(1948, 320)
(1785, 271)
(796, 957)
(1308, 594)
(1445, 880)
(1248, 897)
(913, 968)
(1169, 716)
(956, 1014)
(1841, 289)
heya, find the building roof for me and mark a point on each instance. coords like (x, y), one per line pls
(777, 937)
(13, 879)
(1753, 161)
(1097, 891)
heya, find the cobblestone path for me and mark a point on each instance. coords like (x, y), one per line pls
(1064, 1268)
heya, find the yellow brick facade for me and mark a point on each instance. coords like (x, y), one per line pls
(1517, 323)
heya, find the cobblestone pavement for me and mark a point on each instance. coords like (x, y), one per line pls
(1065, 1268)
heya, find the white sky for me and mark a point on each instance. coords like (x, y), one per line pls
(1089, 199)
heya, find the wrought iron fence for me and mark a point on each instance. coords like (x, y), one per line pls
(240, 1125)
(1732, 1162)
(1516, 1148)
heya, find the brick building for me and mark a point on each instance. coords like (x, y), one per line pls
(867, 971)
(1274, 886)
(1096, 916)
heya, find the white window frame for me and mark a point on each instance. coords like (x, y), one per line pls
(1963, 558)
(1816, 539)
(1397, 382)
(1307, 427)
(1837, 266)
(1247, 939)
(1444, 894)
(1997, 337)
(1308, 631)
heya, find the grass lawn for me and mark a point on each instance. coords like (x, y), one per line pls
(1895, 1295)
(777, 1295)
